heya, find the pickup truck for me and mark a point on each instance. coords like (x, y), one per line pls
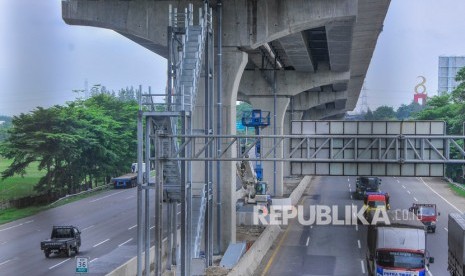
(63, 239)
(426, 213)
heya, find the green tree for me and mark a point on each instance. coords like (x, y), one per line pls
(458, 95)
(444, 109)
(408, 111)
(45, 137)
(127, 94)
(369, 115)
(74, 144)
(384, 113)
(241, 108)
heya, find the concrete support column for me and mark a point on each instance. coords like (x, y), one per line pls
(267, 104)
(288, 118)
(234, 62)
(198, 127)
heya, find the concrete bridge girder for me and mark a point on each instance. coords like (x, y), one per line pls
(308, 100)
(246, 24)
(322, 114)
(288, 83)
(269, 20)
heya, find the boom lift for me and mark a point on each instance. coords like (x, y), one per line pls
(252, 179)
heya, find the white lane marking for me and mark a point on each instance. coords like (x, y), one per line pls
(403, 186)
(348, 179)
(87, 228)
(152, 227)
(129, 197)
(103, 197)
(350, 190)
(95, 245)
(408, 192)
(94, 259)
(458, 210)
(14, 226)
(356, 227)
(429, 272)
(121, 244)
(7, 261)
(308, 240)
(349, 185)
(179, 212)
(311, 227)
(52, 267)
(351, 197)
(363, 266)
(165, 239)
(398, 181)
(359, 244)
(415, 198)
(445, 228)
(132, 227)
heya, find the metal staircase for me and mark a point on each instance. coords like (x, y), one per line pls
(186, 47)
(199, 204)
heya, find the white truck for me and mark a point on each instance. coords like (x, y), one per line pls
(456, 243)
(397, 248)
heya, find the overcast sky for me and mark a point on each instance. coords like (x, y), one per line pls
(42, 59)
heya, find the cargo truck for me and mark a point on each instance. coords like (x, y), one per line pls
(397, 247)
(128, 180)
(456, 244)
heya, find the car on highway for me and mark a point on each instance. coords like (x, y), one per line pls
(64, 239)
(366, 184)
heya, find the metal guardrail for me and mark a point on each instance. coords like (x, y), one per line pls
(458, 185)
(101, 187)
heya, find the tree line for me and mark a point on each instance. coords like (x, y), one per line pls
(78, 144)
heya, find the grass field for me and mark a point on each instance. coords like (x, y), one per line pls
(17, 186)
(457, 190)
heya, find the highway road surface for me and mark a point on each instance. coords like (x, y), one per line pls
(108, 223)
(340, 250)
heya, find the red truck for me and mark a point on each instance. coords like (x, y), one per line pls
(427, 214)
(373, 201)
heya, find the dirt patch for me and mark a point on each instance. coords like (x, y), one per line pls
(217, 271)
(246, 233)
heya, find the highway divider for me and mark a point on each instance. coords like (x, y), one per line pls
(251, 260)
